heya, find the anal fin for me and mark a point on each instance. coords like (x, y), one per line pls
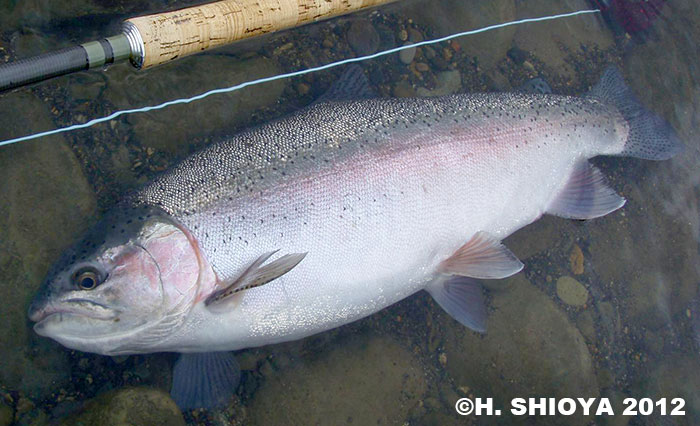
(463, 299)
(205, 380)
(483, 256)
(586, 195)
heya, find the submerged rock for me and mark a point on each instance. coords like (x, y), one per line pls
(6, 414)
(530, 349)
(362, 37)
(447, 17)
(552, 41)
(173, 128)
(631, 255)
(571, 291)
(406, 55)
(129, 406)
(537, 237)
(364, 380)
(448, 82)
(678, 376)
(45, 202)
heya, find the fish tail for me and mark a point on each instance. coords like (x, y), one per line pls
(650, 136)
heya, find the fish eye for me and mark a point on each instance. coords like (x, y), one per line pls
(86, 278)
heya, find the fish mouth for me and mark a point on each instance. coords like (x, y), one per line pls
(75, 307)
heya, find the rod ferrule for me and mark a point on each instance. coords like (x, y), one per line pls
(137, 49)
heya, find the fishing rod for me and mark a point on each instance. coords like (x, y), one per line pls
(297, 73)
(151, 40)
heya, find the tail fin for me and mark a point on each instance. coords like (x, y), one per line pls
(650, 136)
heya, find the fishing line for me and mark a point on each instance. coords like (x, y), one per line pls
(287, 75)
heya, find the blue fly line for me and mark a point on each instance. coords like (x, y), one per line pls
(287, 75)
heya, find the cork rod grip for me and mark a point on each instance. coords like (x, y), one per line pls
(171, 35)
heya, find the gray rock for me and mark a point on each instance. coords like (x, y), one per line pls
(530, 349)
(364, 380)
(571, 291)
(45, 202)
(678, 376)
(362, 37)
(448, 82)
(406, 55)
(173, 128)
(133, 406)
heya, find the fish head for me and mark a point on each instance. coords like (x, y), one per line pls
(123, 288)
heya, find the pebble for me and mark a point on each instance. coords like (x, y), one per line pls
(446, 54)
(576, 260)
(422, 67)
(406, 56)
(571, 291)
(414, 35)
(403, 35)
(429, 52)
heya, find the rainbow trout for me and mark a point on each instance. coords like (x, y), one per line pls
(331, 214)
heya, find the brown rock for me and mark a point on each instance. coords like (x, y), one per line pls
(576, 260)
(530, 349)
(364, 380)
(45, 202)
(129, 406)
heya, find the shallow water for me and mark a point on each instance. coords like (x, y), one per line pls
(604, 308)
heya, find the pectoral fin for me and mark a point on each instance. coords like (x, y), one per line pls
(482, 257)
(256, 275)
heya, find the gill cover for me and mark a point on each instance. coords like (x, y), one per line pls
(123, 288)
